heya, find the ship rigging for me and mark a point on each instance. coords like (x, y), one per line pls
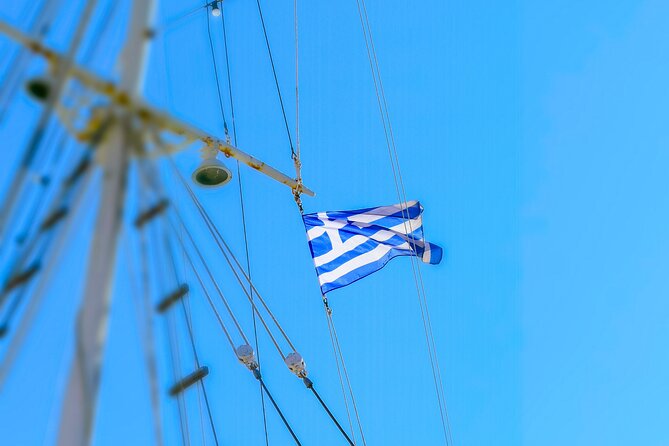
(98, 135)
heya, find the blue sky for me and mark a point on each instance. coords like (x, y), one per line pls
(533, 133)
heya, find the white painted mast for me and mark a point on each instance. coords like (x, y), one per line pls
(80, 399)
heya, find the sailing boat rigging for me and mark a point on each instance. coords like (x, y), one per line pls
(124, 135)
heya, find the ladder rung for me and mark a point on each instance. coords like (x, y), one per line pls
(53, 218)
(172, 298)
(189, 380)
(21, 277)
(78, 171)
(151, 213)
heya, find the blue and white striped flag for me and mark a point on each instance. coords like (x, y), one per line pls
(349, 245)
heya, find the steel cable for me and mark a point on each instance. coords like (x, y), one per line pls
(243, 215)
(401, 193)
(276, 80)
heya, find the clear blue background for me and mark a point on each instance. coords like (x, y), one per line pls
(535, 135)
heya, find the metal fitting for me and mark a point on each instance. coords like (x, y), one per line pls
(296, 364)
(247, 356)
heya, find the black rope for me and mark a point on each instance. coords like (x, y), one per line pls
(276, 406)
(276, 81)
(211, 420)
(310, 386)
(243, 212)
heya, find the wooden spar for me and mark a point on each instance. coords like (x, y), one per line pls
(126, 98)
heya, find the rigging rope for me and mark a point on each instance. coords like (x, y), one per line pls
(340, 355)
(297, 82)
(214, 232)
(256, 371)
(341, 380)
(227, 70)
(298, 165)
(218, 317)
(269, 332)
(211, 278)
(224, 247)
(148, 337)
(173, 21)
(172, 255)
(276, 80)
(175, 358)
(221, 243)
(206, 293)
(401, 193)
(227, 254)
(69, 187)
(174, 348)
(48, 155)
(39, 293)
(297, 160)
(332, 417)
(218, 85)
(243, 215)
(12, 196)
(188, 321)
(182, 408)
(283, 418)
(176, 374)
(209, 300)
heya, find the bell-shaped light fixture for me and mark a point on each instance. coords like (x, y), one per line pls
(211, 172)
(40, 88)
(215, 10)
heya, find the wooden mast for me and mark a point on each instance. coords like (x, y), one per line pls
(80, 399)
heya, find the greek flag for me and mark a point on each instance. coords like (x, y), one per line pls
(349, 245)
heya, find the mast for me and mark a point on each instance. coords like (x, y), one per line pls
(80, 399)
